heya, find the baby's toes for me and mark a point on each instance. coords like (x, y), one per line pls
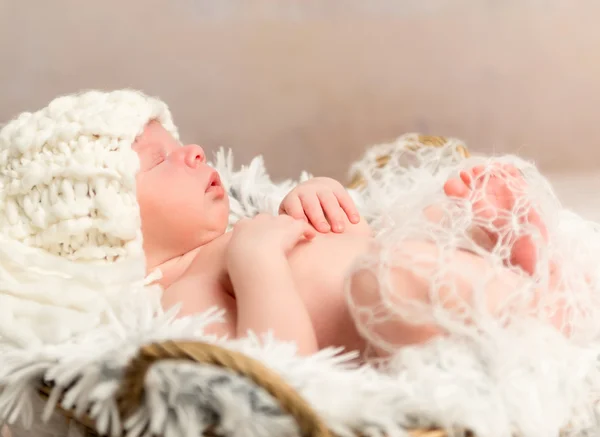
(485, 210)
(456, 187)
(524, 254)
(467, 178)
(511, 170)
(513, 176)
(474, 173)
(478, 170)
(534, 218)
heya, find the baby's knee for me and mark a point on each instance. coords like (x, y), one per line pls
(377, 296)
(363, 287)
(390, 276)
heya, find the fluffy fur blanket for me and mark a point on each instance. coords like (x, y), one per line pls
(529, 383)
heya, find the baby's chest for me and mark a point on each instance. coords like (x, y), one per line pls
(320, 268)
(325, 260)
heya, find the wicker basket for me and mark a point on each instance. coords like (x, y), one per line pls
(131, 392)
(410, 142)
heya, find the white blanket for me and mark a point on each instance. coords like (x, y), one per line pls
(532, 382)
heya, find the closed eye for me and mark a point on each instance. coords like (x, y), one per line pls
(158, 157)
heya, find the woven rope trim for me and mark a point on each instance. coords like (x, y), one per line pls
(358, 181)
(131, 391)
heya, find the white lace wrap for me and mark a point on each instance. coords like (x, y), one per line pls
(564, 282)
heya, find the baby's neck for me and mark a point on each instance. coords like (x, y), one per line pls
(208, 258)
(172, 269)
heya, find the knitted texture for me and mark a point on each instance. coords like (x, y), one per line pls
(67, 174)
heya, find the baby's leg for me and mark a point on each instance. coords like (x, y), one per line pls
(375, 291)
(503, 210)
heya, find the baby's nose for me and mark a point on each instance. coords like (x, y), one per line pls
(193, 155)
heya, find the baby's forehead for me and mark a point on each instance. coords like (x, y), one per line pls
(154, 134)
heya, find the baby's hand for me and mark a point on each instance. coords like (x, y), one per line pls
(323, 201)
(266, 235)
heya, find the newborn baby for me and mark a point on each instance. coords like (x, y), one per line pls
(286, 273)
(100, 177)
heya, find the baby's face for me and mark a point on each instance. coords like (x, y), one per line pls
(182, 202)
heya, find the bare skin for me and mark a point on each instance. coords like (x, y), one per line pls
(281, 273)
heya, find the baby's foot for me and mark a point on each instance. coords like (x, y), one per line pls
(498, 198)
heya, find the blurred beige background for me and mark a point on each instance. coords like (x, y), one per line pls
(310, 83)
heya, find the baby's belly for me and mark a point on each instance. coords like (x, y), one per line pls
(320, 268)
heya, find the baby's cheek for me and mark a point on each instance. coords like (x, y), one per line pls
(155, 199)
(187, 212)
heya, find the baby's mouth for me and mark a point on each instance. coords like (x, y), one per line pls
(214, 182)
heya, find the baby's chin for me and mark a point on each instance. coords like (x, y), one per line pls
(215, 233)
(222, 231)
(222, 217)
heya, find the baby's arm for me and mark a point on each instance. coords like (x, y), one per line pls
(267, 300)
(266, 294)
(197, 297)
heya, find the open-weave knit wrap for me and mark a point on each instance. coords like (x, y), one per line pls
(67, 174)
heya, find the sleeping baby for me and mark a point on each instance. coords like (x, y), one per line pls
(99, 177)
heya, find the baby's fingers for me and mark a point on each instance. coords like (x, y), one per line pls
(302, 230)
(314, 212)
(292, 206)
(333, 211)
(348, 205)
(308, 231)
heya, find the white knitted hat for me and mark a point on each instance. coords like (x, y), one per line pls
(67, 174)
